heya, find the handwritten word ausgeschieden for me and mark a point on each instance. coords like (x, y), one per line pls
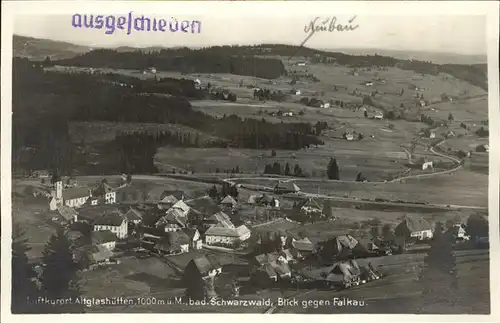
(130, 23)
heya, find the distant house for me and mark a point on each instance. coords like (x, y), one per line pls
(432, 135)
(286, 187)
(310, 206)
(218, 219)
(301, 64)
(459, 232)
(349, 136)
(325, 105)
(174, 242)
(368, 83)
(264, 200)
(226, 236)
(297, 92)
(114, 222)
(427, 165)
(414, 227)
(104, 239)
(90, 214)
(202, 268)
(378, 116)
(483, 148)
(228, 202)
(169, 198)
(288, 114)
(194, 238)
(152, 70)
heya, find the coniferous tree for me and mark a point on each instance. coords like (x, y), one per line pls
(59, 279)
(287, 169)
(213, 193)
(438, 277)
(330, 172)
(23, 288)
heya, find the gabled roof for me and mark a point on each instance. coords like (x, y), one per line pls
(172, 241)
(181, 206)
(66, 212)
(415, 224)
(75, 193)
(204, 204)
(95, 212)
(287, 186)
(204, 264)
(133, 215)
(172, 216)
(169, 199)
(178, 194)
(104, 236)
(190, 232)
(115, 220)
(303, 245)
(221, 219)
(310, 202)
(227, 232)
(228, 200)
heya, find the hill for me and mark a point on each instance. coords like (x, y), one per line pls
(38, 49)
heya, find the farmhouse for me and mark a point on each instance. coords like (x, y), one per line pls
(202, 267)
(303, 247)
(133, 216)
(286, 187)
(226, 236)
(264, 200)
(310, 206)
(174, 242)
(173, 220)
(349, 136)
(103, 239)
(414, 227)
(427, 165)
(272, 266)
(194, 238)
(69, 215)
(169, 198)
(228, 202)
(219, 219)
(459, 232)
(368, 83)
(181, 207)
(92, 255)
(325, 105)
(114, 222)
(378, 116)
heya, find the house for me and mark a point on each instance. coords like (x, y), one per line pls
(288, 114)
(203, 267)
(432, 135)
(303, 247)
(105, 239)
(173, 220)
(310, 206)
(369, 83)
(173, 242)
(301, 64)
(109, 194)
(286, 187)
(422, 103)
(228, 202)
(378, 116)
(297, 92)
(114, 222)
(272, 266)
(73, 197)
(349, 136)
(90, 213)
(181, 207)
(226, 236)
(169, 198)
(427, 165)
(325, 105)
(69, 215)
(194, 238)
(219, 219)
(264, 200)
(92, 255)
(483, 148)
(133, 216)
(152, 70)
(414, 227)
(150, 238)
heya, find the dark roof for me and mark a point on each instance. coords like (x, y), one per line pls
(75, 192)
(104, 236)
(66, 212)
(190, 232)
(287, 186)
(310, 202)
(229, 200)
(220, 219)
(95, 212)
(110, 219)
(227, 232)
(173, 241)
(303, 245)
(415, 224)
(205, 205)
(173, 216)
(204, 264)
(178, 194)
(133, 215)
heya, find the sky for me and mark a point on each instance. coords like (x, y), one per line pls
(446, 33)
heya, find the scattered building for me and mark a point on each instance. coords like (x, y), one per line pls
(272, 266)
(219, 219)
(414, 227)
(368, 83)
(378, 116)
(226, 236)
(194, 238)
(310, 206)
(303, 247)
(68, 215)
(286, 187)
(173, 220)
(459, 232)
(349, 136)
(133, 216)
(181, 207)
(427, 165)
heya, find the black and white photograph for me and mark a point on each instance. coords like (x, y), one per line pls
(205, 158)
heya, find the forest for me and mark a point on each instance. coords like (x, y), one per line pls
(45, 102)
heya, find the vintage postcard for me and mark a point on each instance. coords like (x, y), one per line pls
(250, 158)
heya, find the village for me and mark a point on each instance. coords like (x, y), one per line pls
(214, 241)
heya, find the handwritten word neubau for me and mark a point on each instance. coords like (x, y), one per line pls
(130, 23)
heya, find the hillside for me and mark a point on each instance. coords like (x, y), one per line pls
(39, 49)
